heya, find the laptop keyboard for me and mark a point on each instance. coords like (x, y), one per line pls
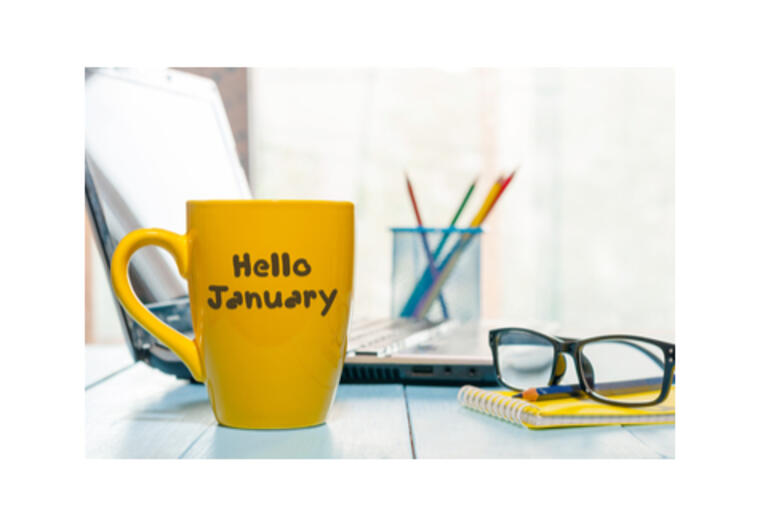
(384, 336)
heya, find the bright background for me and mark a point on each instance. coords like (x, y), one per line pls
(584, 237)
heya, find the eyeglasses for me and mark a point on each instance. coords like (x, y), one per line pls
(621, 369)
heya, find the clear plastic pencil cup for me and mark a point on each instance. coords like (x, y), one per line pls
(449, 288)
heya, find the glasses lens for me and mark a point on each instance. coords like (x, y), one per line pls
(525, 359)
(623, 370)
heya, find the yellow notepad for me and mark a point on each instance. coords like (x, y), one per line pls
(565, 412)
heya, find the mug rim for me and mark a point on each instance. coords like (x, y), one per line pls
(265, 202)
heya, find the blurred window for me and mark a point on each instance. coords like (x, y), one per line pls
(585, 235)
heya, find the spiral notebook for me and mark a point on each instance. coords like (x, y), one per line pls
(564, 412)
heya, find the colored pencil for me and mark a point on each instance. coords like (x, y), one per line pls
(550, 393)
(430, 259)
(505, 183)
(424, 282)
(463, 203)
(450, 261)
(625, 387)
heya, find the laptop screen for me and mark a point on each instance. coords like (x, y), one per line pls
(154, 140)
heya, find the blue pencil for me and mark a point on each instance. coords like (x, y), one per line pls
(624, 387)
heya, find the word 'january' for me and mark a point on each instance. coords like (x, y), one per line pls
(276, 265)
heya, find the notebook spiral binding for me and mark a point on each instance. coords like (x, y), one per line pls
(496, 405)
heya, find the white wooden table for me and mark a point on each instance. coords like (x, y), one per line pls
(133, 411)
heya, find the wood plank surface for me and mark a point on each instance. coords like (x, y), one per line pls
(659, 438)
(104, 360)
(366, 421)
(134, 411)
(141, 412)
(442, 428)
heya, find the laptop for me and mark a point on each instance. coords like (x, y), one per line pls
(157, 138)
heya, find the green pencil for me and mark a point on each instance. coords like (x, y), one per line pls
(463, 203)
(456, 217)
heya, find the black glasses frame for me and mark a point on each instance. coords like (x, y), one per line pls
(574, 347)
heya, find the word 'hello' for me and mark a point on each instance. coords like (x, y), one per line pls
(261, 267)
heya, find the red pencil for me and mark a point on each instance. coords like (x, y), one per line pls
(430, 258)
(413, 201)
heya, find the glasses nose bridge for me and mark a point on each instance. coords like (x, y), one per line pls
(568, 346)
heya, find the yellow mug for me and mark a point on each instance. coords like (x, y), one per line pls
(270, 290)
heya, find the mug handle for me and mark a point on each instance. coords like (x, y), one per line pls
(182, 346)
